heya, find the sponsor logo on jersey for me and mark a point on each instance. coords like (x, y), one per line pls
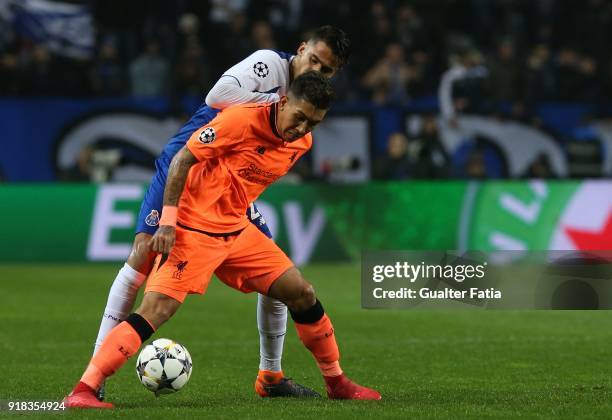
(261, 150)
(153, 218)
(207, 135)
(261, 69)
(257, 175)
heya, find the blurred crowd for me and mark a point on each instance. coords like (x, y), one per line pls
(527, 50)
(473, 56)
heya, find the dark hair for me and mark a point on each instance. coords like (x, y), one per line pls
(336, 39)
(313, 87)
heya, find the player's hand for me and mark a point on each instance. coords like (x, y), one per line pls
(163, 240)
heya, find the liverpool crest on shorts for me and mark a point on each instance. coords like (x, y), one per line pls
(180, 267)
(153, 218)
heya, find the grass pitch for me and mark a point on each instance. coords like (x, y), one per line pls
(425, 364)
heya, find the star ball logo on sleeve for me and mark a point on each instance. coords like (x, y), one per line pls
(261, 69)
(208, 135)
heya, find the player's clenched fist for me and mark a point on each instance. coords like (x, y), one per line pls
(163, 240)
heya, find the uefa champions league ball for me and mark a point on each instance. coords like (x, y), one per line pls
(163, 366)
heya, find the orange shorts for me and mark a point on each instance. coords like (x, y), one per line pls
(249, 262)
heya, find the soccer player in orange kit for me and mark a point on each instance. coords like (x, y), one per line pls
(223, 168)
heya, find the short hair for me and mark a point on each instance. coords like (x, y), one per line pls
(336, 39)
(313, 87)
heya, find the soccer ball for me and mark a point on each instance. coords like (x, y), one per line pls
(163, 366)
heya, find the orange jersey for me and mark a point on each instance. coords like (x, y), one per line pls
(240, 154)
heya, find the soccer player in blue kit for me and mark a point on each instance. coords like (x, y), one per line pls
(264, 76)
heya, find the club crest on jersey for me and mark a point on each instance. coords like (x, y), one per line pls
(207, 135)
(261, 69)
(153, 218)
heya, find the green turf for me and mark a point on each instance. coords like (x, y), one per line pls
(425, 364)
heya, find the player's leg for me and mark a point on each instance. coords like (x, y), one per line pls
(132, 275)
(272, 326)
(187, 269)
(124, 289)
(317, 333)
(258, 264)
(130, 278)
(246, 269)
(120, 344)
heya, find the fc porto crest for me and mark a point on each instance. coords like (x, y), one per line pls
(152, 218)
(208, 135)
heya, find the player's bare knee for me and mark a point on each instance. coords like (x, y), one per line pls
(141, 258)
(305, 300)
(165, 312)
(157, 308)
(308, 297)
(293, 290)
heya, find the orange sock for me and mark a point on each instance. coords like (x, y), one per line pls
(120, 344)
(270, 376)
(319, 338)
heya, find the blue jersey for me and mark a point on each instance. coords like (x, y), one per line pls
(203, 116)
